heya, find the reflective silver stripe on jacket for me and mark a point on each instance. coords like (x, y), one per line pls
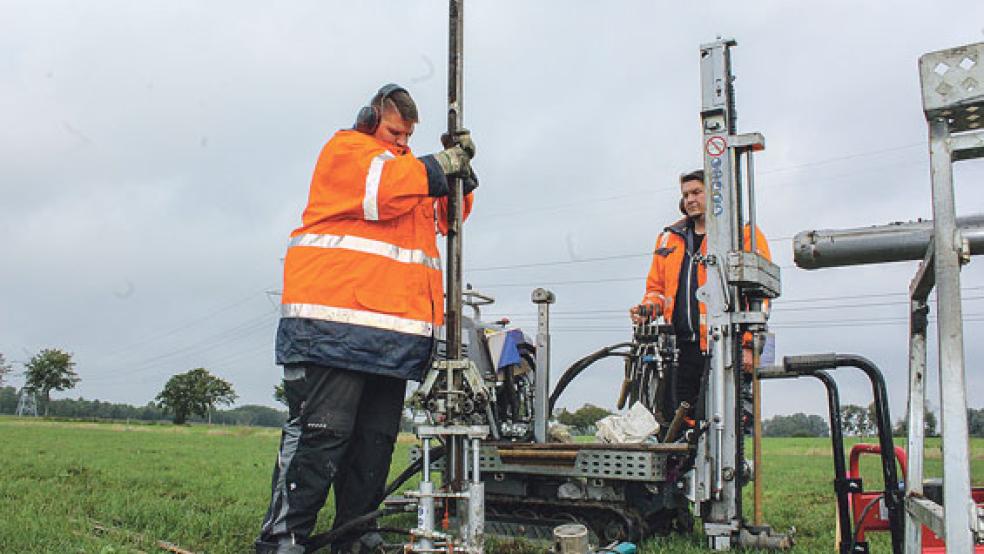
(358, 317)
(370, 203)
(368, 246)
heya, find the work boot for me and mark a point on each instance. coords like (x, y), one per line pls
(285, 546)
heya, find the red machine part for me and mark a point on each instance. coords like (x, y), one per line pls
(875, 517)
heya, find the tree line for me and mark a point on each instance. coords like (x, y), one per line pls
(194, 395)
(855, 421)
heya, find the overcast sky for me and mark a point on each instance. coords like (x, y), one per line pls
(154, 157)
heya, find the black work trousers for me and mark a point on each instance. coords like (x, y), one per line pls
(685, 382)
(341, 430)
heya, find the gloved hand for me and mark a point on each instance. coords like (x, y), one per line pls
(454, 162)
(461, 138)
(643, 313)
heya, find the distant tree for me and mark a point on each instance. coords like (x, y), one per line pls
(251, 414)
(5, 368)
(195, 392)
(901, 428)
(796, 425)
(857, 420)
(8, 400)
(975, 422)
(280, 394)
(51, 369)
(582, 418)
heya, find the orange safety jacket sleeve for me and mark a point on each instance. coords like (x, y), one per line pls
(358, 176)
(655, 285)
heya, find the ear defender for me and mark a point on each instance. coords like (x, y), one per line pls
(369, 117)
(683, 208)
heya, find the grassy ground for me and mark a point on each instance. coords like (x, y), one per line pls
(107, 488)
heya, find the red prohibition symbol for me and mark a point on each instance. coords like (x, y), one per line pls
(715, 146)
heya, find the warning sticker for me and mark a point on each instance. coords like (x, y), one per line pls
(715, 146)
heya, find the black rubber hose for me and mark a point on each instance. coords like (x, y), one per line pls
(577, 367)
(320, 541)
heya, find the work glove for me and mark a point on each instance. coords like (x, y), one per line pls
(643, 313)
(454, 162)
(461, 138)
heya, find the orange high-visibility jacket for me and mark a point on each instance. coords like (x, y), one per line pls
(668, 261)
(363, 285)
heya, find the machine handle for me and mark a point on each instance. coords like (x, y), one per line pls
(810, 362)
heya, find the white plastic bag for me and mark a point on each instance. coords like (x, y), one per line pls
(635, 426)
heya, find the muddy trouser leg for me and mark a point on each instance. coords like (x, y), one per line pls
(362, 476)
(322, 406)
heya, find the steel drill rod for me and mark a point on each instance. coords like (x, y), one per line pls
(455, 199)
(877, 244)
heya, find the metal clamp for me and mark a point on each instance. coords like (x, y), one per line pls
(754, 274)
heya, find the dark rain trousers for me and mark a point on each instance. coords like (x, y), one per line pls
(687, 378)
(341, 429)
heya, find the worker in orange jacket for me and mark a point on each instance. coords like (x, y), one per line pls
(362, 299)
(671, 290)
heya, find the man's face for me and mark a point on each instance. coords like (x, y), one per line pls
(393, 129)
(693, 198)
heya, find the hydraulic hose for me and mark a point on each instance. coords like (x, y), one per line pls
(579, 366)
(318, 542)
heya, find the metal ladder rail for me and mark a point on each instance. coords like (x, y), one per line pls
(953, 102)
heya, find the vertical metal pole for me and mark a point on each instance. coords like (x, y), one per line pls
(476, 460)
(751, 201)
(957, 503)
(425, 508)
(758, 517)
(455, 200)
(427, 461)
(917, 402)
(723, 236)
(541, 393)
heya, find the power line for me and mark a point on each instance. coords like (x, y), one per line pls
(969, 318)
(183, 326)
(637, 192)
(232, 335)
(780, 307)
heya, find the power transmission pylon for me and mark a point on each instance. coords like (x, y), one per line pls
(27, 403)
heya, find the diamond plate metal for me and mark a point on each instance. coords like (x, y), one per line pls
(953, 86)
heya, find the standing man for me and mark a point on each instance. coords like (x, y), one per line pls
(671, 290)
(362, 298)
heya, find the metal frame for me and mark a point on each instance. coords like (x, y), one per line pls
(953, 102)
(737, 282)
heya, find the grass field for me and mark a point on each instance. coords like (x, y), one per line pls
(111, 487)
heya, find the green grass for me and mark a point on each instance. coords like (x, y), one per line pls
(105, 488)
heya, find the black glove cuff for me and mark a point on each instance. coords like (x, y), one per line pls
(470, 183)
